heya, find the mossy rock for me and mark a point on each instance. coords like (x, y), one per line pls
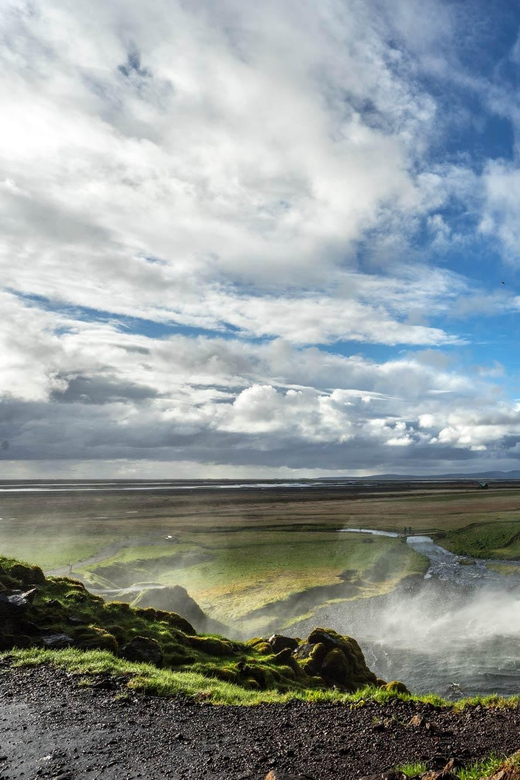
(118, 608)
(336, 669)
(142, 649)
(71, 583)
(146, 613)
(358, 672)
(211, 646)
(175, 621)
(325, 636)
(315, 659)
(27, 574)
(395, 686)
(258, 674)
(264, 648)
(226, 675)
(283, 658)
(279, 642)
(92, 638)
(118, 632)
(256, 640)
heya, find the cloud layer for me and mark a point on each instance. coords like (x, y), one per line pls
(212, 213)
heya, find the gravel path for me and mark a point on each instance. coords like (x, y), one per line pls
(50, 727)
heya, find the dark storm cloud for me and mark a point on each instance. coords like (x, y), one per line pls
(101, 390)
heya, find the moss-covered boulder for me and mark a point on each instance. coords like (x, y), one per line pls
(143, 649)
(93, 638)
(337, 659)
(28, 575)
(395, 686)
(264, 648)
(279, 642)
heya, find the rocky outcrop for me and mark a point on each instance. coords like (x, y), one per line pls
(279, 642)
(60, 613)
(337, 659)
(175, 599)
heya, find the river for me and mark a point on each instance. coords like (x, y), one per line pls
(456, 632)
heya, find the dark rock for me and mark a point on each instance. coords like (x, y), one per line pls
(279, 642)
(78, 620)
(28, 575)
(92, 638)
(326, 638)
(57, 641)
(14, 602)
(143, 649)
(304, 650)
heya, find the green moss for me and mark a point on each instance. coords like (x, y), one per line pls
(264, 648)
(93, 638)
(395, 686)
(212, 646)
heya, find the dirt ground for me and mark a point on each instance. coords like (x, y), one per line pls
(52, 727)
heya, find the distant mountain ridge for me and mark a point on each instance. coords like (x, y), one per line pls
(451, 475)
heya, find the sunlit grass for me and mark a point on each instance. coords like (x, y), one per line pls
(412, 769)
(146, 678)
(481, 769)
(500, 539)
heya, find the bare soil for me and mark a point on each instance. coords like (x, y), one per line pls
(53, 727)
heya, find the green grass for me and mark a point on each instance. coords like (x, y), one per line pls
(477, 770)
(486, 540)
(411, 770)
(147, 678)
(166, 682)
(481, 769)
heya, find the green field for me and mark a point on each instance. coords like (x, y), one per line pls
(246, 558)
(242, 572)
(486, 540)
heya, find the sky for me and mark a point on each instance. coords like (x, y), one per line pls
(271, 239)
